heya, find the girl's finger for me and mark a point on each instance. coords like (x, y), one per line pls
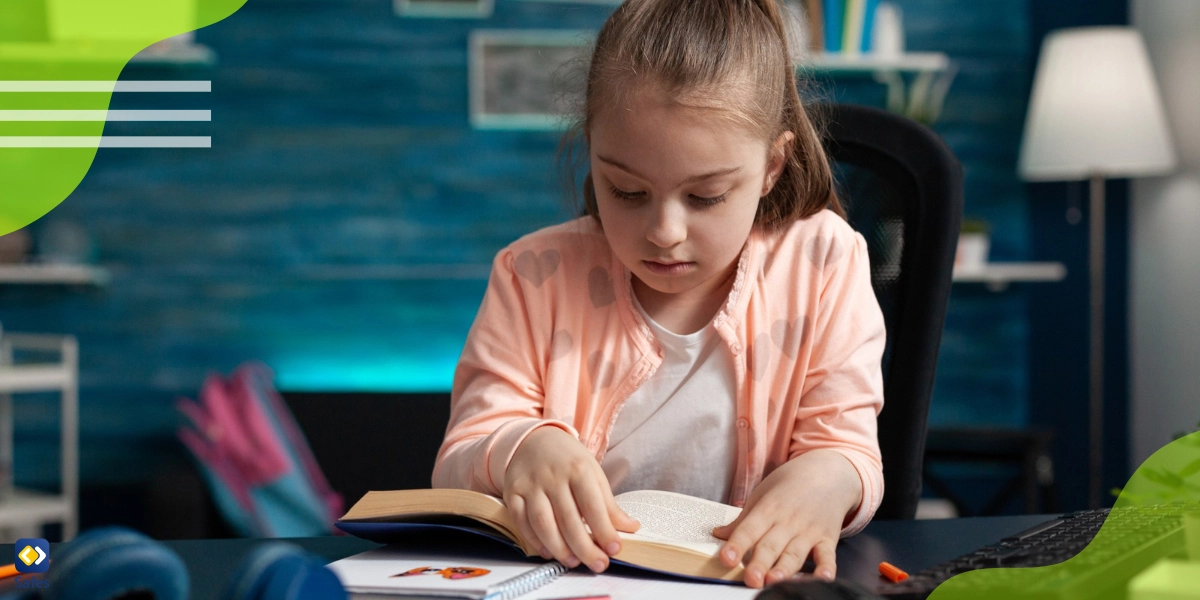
(790, 561)
(516, 511)
(766, 552)
(724, 530)
(728, 554)
(825, 559)
(745, 534)
(545, 525)
(594, 508)
(577, 538)
(620, 520)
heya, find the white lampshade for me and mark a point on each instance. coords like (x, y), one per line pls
(1095, 109)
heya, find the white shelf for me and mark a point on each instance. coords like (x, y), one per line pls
(23, 507)
(23, 512)
(910, 62)
(177, 54)
(918, 96)
(34, 378)
(997, 276)
(53, 274)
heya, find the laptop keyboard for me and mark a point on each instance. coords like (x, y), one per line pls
(1133, 539)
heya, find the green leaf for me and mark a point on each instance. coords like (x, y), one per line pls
(1163, 477)
(1190, 469)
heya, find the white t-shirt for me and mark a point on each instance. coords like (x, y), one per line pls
(677, 431)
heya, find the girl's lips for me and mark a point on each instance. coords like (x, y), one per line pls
(658, 268)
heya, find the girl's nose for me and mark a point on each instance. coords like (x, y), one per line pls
(668, 225)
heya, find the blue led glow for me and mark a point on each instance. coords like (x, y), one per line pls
(427, 373)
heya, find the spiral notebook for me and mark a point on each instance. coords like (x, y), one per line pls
(395, 571)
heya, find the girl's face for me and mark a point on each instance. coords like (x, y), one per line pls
(677, 189)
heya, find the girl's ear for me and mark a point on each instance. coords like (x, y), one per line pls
(777, 159)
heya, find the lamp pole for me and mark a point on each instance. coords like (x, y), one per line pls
(1095, 112)
(1096, 387)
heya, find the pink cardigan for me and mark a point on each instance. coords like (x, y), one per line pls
(557, 341)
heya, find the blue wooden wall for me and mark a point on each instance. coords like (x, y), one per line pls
(340, 227)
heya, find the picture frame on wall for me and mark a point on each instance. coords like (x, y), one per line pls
(526, 78)
(444, 9)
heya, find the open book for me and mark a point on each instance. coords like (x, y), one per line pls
(675, 536)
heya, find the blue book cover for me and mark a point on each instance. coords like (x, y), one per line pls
(834, 11)
(868, 24)
(416, 534)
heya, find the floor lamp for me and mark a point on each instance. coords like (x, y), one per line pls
(1094, 113)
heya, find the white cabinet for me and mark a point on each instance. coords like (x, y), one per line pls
(54, 367)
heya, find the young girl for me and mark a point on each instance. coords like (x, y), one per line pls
(709, 328)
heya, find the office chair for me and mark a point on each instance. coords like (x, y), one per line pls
(902, 189)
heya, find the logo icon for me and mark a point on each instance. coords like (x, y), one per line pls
(33, 555)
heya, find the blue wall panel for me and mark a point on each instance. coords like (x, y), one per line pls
(341, 226)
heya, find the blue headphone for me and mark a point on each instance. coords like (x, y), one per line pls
(110, 562)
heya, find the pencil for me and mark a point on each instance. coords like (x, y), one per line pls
(8, 570)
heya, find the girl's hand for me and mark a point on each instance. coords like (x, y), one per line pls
(552, 486)
(798, 509)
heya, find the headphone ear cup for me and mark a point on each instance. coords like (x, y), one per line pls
(31, 595)
(110, 562)
(306, 580)
(279, 571)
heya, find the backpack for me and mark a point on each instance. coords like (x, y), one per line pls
(254, 458)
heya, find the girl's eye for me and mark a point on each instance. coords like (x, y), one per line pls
(625, 195)
(700, 200)
(713, 201)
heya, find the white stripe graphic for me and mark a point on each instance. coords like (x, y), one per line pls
(105, 86)
(107, 141)
(101, 115)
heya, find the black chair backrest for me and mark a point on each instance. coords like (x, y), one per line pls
(902, 189)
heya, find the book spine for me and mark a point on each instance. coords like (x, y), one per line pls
(816, 25)
(852, 34)
(834, 11)
(869, 24)
(526, 582)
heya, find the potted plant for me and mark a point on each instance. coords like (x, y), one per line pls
(14, 247)
(973, 243)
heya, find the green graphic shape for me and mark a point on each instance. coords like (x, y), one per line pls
(1144, 526)
(71, 41)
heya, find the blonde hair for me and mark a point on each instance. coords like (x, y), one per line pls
(729, 55)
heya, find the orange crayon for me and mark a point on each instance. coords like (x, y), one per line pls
(893, 573)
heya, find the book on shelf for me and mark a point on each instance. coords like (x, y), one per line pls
(868, 24)
(849, 25)
(834, 12)
(856, 11)
(802, 29)
(675, 535)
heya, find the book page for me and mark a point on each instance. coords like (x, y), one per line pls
(401, 570)
(624, 586)
(677, 519)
